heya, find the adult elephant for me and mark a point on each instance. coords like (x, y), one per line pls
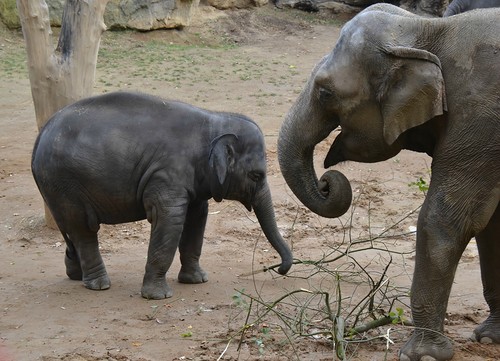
(396, 81)
(461, 6)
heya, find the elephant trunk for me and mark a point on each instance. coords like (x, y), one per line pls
(329, 197)
(264, 211)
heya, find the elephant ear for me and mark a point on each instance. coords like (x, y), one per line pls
(221, 161)
(413, 92)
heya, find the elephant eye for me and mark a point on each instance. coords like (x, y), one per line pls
(324, 94)
(256, 176)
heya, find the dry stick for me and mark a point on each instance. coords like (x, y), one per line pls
(326, 261)
(338, 329)
(224, 351)
(246, 326)
(376, 287)
(382, 321)
(373, 324)
(344, 254)
(339, 325)
(385, 320)
(370, 295)
(272, 306)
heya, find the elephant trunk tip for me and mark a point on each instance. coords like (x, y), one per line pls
(285, 266)
(337, 192)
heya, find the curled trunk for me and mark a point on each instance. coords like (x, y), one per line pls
(264, 211)
(303, 128)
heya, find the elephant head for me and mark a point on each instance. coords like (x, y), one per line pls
(375, 84)
(238, 172)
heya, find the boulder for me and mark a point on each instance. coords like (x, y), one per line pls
(149, 14)
(336, 7)
(333, 6)
(236, 4)
(430, 8)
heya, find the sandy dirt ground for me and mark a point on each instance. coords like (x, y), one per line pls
(249, 62)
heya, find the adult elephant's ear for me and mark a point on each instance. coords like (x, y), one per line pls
(221, 160)
(413, 91)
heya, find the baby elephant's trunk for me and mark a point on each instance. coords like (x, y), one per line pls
(264, 211)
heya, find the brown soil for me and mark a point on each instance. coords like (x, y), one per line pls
(267, 56)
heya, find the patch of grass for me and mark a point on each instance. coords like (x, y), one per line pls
(157, 60)
(13, 63)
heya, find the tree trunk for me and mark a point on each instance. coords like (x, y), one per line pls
(65, 74)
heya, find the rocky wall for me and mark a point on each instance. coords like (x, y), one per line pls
(167, 14)
(134, 14)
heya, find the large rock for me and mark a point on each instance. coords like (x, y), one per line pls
(236, 4)
(431, 8)
(149, 15)
(425, 7)
(134, 14)
(335, 7)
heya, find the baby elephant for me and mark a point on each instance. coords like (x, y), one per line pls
(124, 157)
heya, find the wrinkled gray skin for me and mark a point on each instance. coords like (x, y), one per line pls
(461, 6)
(124, 157)
(398, 81)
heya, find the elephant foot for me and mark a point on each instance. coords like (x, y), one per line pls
(98, 284)
(156, 290)
(192, 275)
(426, 346)
(73, 267)
(488, 331)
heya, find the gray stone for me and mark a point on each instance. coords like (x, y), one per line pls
(335, 7)
(149, 15)
(236, 4)
(430, 8)
(360, 3)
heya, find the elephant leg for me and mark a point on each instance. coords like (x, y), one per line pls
(86, 249)
(488, 243)
(72, 261)
(78, 225)
(438, 251)
(167, 223)
(191, 244)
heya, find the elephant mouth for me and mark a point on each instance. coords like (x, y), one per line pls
(250, 200)
(248, 205)
(334, 155)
